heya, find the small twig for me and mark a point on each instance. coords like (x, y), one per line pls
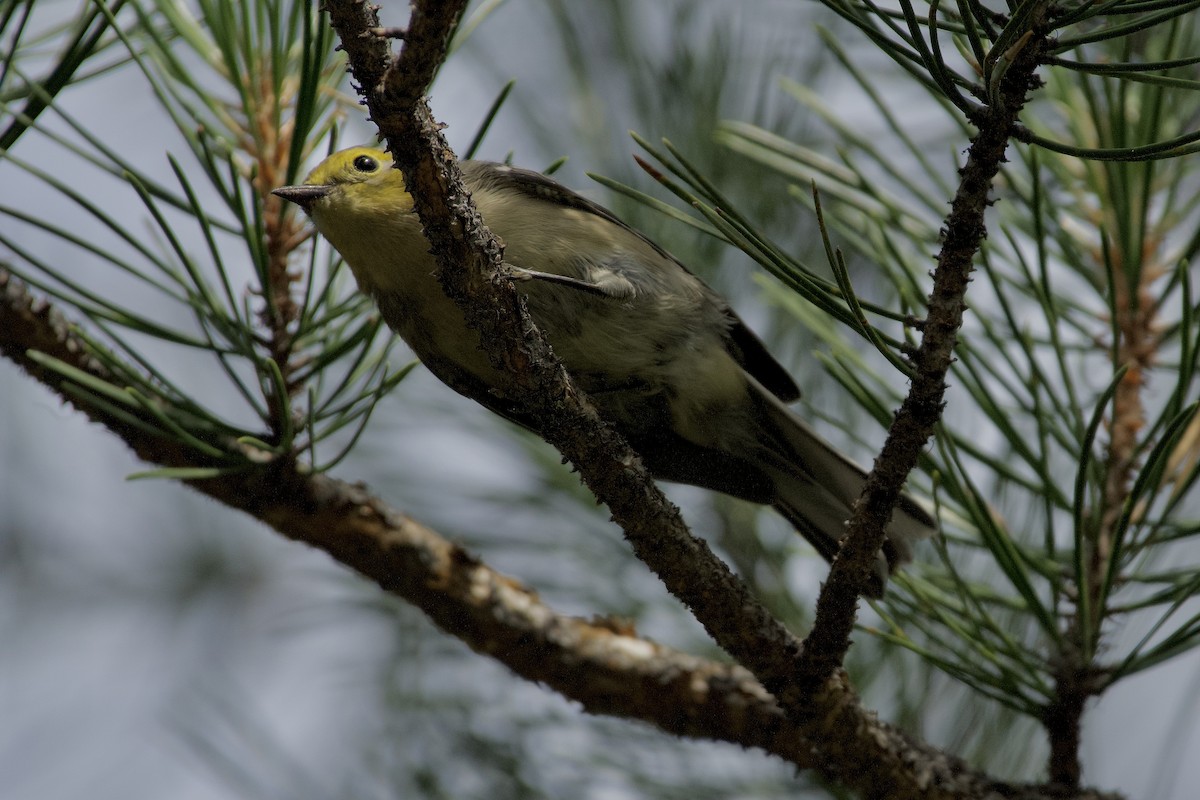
(963, 234)
(389, 33)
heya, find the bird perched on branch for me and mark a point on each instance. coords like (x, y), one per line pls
(662, 355)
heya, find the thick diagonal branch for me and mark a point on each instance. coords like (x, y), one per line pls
(605, 669)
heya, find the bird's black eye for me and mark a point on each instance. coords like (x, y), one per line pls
(366, 164)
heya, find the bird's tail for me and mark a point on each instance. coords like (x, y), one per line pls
(816, 486)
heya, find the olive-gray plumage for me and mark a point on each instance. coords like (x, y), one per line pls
(661, 354)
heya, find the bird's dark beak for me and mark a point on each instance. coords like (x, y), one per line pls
(303, 196)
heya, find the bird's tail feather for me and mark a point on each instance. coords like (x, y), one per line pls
(816, 486)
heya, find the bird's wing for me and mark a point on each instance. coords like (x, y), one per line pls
(741, 342)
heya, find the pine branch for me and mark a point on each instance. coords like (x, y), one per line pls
(963, 233)
(606, 669)
(854, 748)
(598, 664)
(469, 257)
(791, 699)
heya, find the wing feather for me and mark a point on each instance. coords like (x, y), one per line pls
(741, 342)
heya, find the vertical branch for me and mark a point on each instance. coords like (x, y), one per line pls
(1061, 718)
(1136, 348)
(271, 146)
(1135, 327)
(962, 236)
(268, 143)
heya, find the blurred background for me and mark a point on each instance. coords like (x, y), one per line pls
(155, 644)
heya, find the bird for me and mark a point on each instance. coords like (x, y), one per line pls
(664, 357)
